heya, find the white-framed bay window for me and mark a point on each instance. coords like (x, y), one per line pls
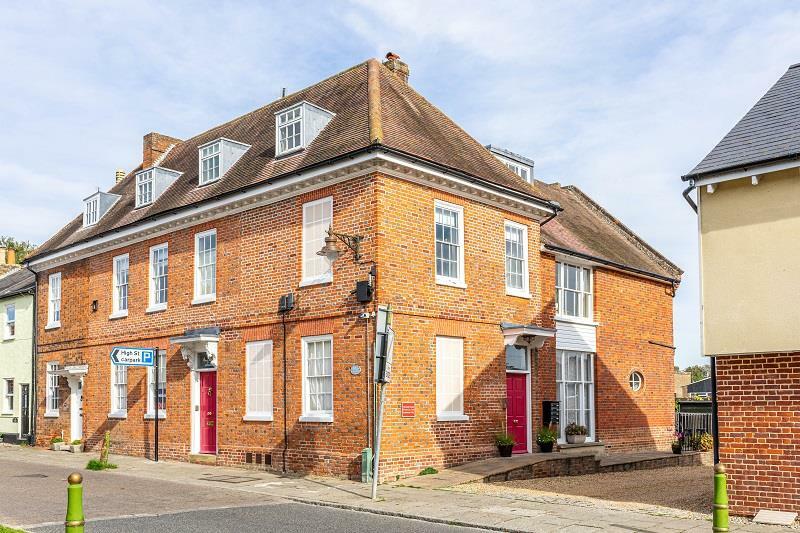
(575, 390)
(53, 301)
(205, 267)
(317, 219)
(573, 291)
(258, 384)
(159, 396)
(10, 322)
(317, 379)
(157, 293)
(119, 391)
(450, 379)
(449, 239)
(517, 277)
(52, 400)
(8, 396)
(119, 296)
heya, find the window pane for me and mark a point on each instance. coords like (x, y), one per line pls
(516, 358)
(317, 219)
(447, 232)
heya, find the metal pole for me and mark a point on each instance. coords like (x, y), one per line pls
(376, 456)
(714, 412)
(155, 405)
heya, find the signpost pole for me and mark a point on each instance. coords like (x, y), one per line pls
(377, 454)
(155, 404)
(383, 376)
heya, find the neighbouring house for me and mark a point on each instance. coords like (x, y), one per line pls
(682, 380)
(17, 289)
(748, 206)
(700, 388)
(192, 251)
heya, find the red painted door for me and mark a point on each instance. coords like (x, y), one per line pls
(517, 411)
(208, 412)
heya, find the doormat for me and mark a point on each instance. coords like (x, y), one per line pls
(230, 479)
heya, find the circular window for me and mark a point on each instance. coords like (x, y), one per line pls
(636, 381)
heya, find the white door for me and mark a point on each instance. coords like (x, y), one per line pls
(76, 410)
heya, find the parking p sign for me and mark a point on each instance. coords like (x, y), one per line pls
(124, 356)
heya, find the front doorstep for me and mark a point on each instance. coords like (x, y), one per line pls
(203, 458)
(598, 448)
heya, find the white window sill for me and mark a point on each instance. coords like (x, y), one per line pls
(316, 418)
(8, 338)
(120, 415)
(118, 314)
(51, 414)
(518, 294)
(452, 418)
(149, 416)
(257, 418)
(450, 282)
(208, 182)
(289, 152)
(207, 299)
(52, 325)
(156, 308)
(7, 413)
(316, 281)
(576, 320)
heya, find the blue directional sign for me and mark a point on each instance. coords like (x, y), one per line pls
(124, 356)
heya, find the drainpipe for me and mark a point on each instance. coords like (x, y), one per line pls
(689, 198)
(32, 392)
(285, 425)
(556, 208)
(714, 412)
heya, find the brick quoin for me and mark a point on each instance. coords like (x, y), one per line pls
(259, 259)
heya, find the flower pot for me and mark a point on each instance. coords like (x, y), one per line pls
(576, 439)
(505, 449)
(76, 448)
(676, 448)
(545, 447)
(56, 446)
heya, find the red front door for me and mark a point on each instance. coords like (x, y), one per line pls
(517, 411)
(208, 412)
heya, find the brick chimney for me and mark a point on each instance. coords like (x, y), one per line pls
(119, 175)
(12, 256)
(399, 68)
(154, 146)
(3, 251)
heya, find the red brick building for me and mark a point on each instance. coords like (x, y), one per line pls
(191, 252)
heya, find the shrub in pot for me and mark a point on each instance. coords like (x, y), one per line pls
(677, 444)
(576, 434)
(55, 443)
(545, 438)
(505, 444)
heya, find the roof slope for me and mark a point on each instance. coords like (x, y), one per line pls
(769, 131)
(16, 282)
(409, 123)
(586, 228)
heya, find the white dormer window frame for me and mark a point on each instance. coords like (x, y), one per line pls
(144, 188)
(91, 211)
(210, 162)
(287, 123)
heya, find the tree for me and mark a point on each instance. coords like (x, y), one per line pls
(698, 371)
(22, 248)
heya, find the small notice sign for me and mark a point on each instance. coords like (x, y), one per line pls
(408, 410)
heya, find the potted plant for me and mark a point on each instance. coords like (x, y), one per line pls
(505, 444)
(576, 434)
(545, 438)
(55, 443)
(76, 446)
(677, 444)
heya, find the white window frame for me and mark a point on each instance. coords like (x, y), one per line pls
(117, 311)
(636, 384)
(162, 367)
(145, 181)
(211, 297)
(327, 276)
(91, 211)
(152, 305)
(202, 158)
(54, 301)
(586, 402)
(524, 291)
(308, 415)
(9, 325)
(252, 414)
(118, 411)
(278, 126)
(52, 400)
(443, 415)
(584, 314)
(8, 398)
(458, 281)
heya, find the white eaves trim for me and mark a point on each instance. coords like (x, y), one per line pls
(300, 183)
(747, 172)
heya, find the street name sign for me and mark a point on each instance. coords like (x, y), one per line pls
(126, 356)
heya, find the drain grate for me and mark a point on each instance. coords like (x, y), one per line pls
(230, 479)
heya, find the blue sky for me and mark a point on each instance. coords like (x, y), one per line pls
(619, 98)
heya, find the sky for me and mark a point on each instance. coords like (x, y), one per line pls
(618, 98)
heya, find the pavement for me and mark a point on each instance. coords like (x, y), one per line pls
(174, 496)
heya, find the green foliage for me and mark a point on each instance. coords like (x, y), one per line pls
(701, 442)
(22, 248)
(505, 439)
(94, 464)
(574, 429)
(698, 371)
(428, 471)
(6, 529)
(76, 442)
(56, 440)
(545, 435)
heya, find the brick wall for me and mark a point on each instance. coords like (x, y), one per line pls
(758, 404)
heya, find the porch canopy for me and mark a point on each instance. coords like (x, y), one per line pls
(531, 336)
(198, 347)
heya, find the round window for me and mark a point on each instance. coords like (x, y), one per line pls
(636, 381)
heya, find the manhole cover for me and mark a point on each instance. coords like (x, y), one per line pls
(230, 479)
(31, 475)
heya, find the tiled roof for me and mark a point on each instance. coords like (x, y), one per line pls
(586, 228)
(6, 268)
(16, 282)
(769, 131)
(372, 108)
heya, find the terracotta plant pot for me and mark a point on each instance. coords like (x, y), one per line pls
(546, 447)
(576, 439)
(505, 449)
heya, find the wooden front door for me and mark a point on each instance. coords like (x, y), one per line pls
(208, 412)
(517, 411)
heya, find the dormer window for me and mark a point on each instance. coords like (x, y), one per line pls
(217, 157)
(518, 164)
(144, 188)
(520, 170)
(91, 212)
(298, 126)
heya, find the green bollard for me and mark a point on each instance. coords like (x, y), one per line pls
(74, 522)
(720, 499)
